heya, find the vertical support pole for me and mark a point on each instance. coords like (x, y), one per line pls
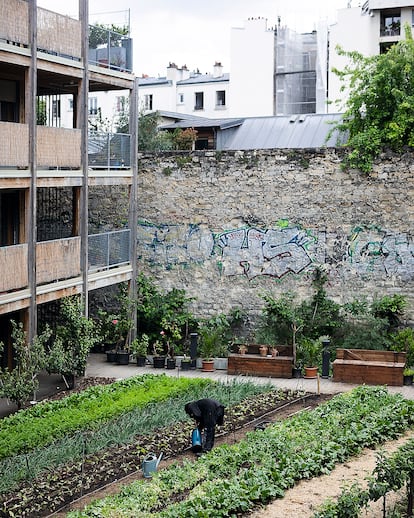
(32, 217)
(84, 17)
(133, 211)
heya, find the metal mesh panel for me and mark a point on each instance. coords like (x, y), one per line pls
(109, 249)
(109, 150)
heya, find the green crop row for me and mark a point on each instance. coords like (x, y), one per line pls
(49, 421)
(232, 479)
(120, 430)
(390, 474)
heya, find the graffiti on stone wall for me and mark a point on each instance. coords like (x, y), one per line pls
(173, 245)
(276, 252)
(375, 251)
(249, 251)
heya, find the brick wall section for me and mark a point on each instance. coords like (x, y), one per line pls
(226, 226)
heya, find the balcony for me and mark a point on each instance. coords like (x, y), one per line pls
(59, 259)
(59, 148)
(57, 34)
(110, 49)
(60, 35)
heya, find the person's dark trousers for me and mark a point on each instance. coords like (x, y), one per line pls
(209, 433)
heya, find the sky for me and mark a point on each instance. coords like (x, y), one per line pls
(195, 33)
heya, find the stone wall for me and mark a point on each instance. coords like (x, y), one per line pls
(229, 226)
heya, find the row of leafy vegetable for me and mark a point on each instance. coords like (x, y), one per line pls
(391, 473)
(83, 453)
(233, 479)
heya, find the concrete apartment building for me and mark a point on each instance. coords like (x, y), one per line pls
(48, 173)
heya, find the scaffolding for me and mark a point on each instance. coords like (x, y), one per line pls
(295, 72)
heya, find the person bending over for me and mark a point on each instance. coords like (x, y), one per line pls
(207, 413)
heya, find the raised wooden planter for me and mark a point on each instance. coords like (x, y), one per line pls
(369, 367)
(253, 364)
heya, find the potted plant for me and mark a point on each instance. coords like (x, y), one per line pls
(210, 338)
(158, 359)
(408, 375)
(170, 356)
(243, 349)
(312, 349)
(186, 363)
(263, 350)
(139, 347)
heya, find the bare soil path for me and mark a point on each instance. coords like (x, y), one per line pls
(302, 500)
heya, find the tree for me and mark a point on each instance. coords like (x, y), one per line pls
(100, 34)
(379, 112)
(20, 383)
(149, 136)
(75, 336)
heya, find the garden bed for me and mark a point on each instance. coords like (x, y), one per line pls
(54, 489)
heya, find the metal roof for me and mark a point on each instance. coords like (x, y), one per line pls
(204, 78)
(153, 81)
(204, 123)
(295, 131)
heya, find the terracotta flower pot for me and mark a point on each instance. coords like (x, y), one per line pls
(311, 372)
(263, 350)
(207, 365)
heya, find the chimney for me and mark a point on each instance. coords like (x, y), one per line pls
(172, 72)
(218, 69)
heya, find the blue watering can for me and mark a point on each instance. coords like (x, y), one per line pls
(150, 464)
(196, 441)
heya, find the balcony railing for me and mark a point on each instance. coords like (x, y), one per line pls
(59, 259)
(109, 150)
(109, 249)
(110, 49)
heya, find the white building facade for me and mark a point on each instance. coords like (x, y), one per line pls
(182, 91)
(370, 30)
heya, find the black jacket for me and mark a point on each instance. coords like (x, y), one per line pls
(207, 412)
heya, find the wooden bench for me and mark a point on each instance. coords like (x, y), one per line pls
(251, 363)
(369, 367)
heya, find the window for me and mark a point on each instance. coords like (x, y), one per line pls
(199, 101)
(220, 98)
(71, 105)
(93, 105)
(390, 23)
(148, 102)
(120, 104)
(56, 108)
(180, 98)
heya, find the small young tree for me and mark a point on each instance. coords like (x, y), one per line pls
(75, 336)
(19, 385)
(379, 111)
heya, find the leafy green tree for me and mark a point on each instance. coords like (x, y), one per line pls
(101, 34)
(166, 312)
(75, 336)
(150, 138)
(19, 384)
(379, 111)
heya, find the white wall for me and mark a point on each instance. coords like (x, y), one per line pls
(352, 32)
(251, 69)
